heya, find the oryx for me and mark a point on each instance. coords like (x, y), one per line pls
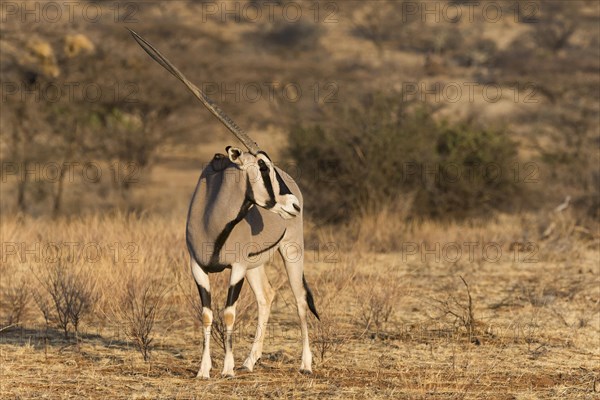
(244, 208)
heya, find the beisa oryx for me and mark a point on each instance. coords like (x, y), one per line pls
(244, 209)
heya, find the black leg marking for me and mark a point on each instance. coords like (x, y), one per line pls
(233, 293)
(309, 298)
(230, 341)
(204, 296)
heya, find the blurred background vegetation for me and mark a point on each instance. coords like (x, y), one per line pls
(375, 125)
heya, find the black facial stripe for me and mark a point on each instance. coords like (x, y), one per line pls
(283, 189)
(264, 173)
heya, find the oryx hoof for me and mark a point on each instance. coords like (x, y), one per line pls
(202, 376)
(306, 372)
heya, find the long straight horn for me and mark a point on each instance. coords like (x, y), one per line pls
(208, 103)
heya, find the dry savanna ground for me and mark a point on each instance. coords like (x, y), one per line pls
(497, 318)
(99, 302)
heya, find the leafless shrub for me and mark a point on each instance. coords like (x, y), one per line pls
(326, 335)
(462, 312)
(140, 306)
(71, 293)
(376, 308)
(15, 302)
(43, 302)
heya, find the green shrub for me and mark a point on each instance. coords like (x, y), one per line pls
(377, 152)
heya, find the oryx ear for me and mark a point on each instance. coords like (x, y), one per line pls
(234, 154)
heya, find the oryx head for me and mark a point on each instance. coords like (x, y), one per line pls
(268, 188)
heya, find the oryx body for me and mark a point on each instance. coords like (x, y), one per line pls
(243, 210)
(225, 227)
(232, 224)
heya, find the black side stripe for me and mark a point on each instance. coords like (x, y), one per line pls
(220, 241)
(270, 247)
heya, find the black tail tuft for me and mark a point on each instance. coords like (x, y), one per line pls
(309, 298)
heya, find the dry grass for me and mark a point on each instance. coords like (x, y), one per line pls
(386, 330)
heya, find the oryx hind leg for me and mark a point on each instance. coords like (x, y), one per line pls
(236, 280)
(293, 257)
(203, 284)
(259, 282)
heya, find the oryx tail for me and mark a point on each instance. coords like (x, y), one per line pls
(309, 298)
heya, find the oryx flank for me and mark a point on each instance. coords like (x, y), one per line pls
(244, 209)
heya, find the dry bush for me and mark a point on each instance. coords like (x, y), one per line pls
(44, 304)
(140, 306)
(376, 304)
(462, 312)
(328, 335)
(15, 301)
(72, 295)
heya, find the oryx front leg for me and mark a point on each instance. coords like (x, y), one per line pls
(236, 280)
(259, 282)
(293, 257)
(203, 284)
